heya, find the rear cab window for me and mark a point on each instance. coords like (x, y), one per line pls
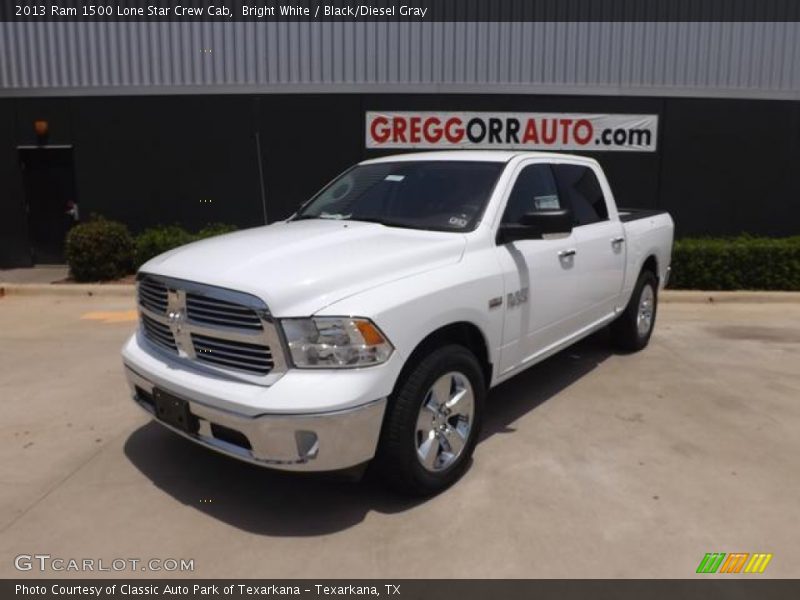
(582, 193)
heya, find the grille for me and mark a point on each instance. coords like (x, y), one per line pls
(220, 328)
(153, 295)
(205, 309)
(159, 333)
(254, 358)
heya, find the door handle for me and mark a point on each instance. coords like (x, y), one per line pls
(617, 240)
(566, 253)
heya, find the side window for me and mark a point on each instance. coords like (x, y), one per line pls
(581, 191)
(535, 189)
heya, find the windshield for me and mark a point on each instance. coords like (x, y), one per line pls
(437, 195)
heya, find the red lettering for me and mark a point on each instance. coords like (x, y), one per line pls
(565, 123)
(549, 138)
(399, 129)
(530, 135)
(378, 129)
(585, 138)
(414, 137)
(453, 130)
(432, 131)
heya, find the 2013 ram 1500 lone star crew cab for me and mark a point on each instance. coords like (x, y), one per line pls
(370, 324)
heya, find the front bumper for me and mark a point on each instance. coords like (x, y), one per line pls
(324, 441)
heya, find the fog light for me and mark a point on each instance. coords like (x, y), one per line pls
(307, 444)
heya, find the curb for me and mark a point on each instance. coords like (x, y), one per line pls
(742, 297)
(68, 289)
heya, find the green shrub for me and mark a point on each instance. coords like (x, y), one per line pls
(213, 229)
(99, 250)
(739, 263)
(157, 240)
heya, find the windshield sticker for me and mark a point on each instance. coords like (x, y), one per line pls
(458, 222)
(395, 178)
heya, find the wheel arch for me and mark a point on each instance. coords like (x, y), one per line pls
(464, 333)
(650, 264)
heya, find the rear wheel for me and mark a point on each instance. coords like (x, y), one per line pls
(633, 328)
(432, 423)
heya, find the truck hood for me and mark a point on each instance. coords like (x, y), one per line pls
(300, 267)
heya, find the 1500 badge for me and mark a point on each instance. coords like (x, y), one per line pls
(517, 298)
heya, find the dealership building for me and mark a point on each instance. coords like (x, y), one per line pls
(240, 121)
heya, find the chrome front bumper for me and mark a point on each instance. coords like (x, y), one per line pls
(326, 441)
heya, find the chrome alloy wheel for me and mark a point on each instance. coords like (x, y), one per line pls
(644, 316)
(445, 420)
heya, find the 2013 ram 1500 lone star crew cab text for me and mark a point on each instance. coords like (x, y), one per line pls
(370, 325)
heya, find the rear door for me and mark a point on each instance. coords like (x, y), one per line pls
(540, 278)
(599, 241)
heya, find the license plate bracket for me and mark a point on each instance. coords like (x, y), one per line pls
(175, 411)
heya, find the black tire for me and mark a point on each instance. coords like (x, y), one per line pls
(625, 332)
(397, 458)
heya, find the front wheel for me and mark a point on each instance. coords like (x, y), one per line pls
(633, 328)
(433, 422)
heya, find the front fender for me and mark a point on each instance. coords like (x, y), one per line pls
(409, 310)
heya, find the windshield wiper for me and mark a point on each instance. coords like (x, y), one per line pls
(322, 217)
(377, 220)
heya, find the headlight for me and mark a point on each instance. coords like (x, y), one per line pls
(335, 342)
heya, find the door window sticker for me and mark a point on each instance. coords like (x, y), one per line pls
(549, 202)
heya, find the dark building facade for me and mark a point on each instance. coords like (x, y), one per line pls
(141, 126)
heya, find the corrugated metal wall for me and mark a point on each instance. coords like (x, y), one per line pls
(747, 60)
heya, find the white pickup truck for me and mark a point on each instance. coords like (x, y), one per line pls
(370, 325)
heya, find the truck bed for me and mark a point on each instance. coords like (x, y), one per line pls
(632, 214)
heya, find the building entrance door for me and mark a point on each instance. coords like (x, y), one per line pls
(49, 184)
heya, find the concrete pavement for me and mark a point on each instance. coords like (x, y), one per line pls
(592, 464)
(38, 274)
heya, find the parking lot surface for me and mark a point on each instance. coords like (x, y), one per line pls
(592, 464)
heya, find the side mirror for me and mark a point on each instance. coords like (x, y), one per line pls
(536, 224)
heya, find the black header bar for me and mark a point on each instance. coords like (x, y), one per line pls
(415, 11)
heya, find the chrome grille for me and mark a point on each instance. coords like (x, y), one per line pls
(223, 329)
(205, 309)
(153, 295)
(159, 333)
(237, 355)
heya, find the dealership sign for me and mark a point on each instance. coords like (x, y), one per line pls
(506, 130)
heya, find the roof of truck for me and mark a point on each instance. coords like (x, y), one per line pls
(471, 155)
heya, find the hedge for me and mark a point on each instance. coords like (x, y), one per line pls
(213, 229)
(99, 250)
(738, 263)
(157, 240)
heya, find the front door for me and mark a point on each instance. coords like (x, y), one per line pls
(49, 181)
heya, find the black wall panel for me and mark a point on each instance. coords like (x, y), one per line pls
(307, 140)
(722, 166)
(162, 160)
(730, 167)
(14, 248)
